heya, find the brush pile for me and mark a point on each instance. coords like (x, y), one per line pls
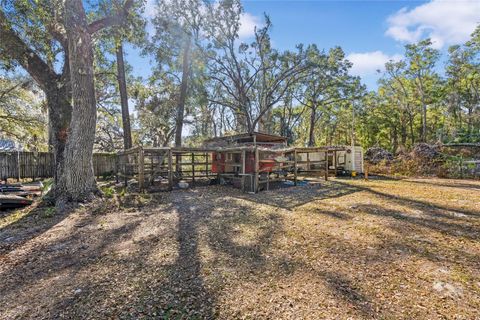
(424, 151)
(375, 155)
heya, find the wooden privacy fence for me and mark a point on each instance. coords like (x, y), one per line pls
(33, 165)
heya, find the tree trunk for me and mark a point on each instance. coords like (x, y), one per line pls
(122, 86)
(265, 123)
(394, 139)
(311, 135)
(59, 117)
(241, 123)
(469, 121)
(56, 87)
(412, 131)
(424, 122)
(403, 138)
(77, 179)
(183, 93)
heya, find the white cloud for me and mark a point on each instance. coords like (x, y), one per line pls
(248, 22)
(367, 63)
(446, 22)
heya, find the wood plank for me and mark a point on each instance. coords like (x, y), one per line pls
(295, 168)
(141, 173)
(326, 166)
(170, 170)
(257, 167)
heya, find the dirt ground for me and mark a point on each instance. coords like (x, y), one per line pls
(343, 249)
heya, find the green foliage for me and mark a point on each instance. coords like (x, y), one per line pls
(414, 103)
(325, 93)
(108, 192)
(307, 94)
(48, 212)
(122, 192)
(156, 104)
(22, 113)
(33, 20)
(47, 184)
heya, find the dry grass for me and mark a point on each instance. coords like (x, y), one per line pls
(346, 249)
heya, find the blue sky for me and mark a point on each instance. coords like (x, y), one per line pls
(370, 32)
(355, 26)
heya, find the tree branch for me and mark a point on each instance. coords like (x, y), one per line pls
(110, 21)
(15, 48)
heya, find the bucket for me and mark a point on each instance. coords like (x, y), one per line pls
(354, 173)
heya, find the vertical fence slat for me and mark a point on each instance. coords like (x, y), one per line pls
(33, 165)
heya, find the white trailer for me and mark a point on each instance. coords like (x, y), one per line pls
(347, 160)
(350, 160)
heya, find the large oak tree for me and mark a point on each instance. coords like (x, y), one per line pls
(52, 41)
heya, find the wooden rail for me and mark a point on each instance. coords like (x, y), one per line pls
(155, 166)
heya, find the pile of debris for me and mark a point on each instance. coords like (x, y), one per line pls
(375, 155)
(465, 150)
(424, 151)
(19, 195)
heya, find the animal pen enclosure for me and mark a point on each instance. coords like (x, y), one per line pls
(158, 168)
(251, 162)
(250, 168)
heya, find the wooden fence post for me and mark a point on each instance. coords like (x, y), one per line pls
(18, 166)
(326, 165)
(206, 164)
(170, 170)
(141, 170)
(335, 162)
(308, 161)
(244, 155)
(295, 170)
(365, 174)
(257, 168)
(117, 160)
(193, 167)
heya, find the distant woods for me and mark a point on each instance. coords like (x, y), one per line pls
(416, 101)
(73, 65)
(209, 82)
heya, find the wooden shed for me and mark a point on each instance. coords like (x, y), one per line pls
(230, 159)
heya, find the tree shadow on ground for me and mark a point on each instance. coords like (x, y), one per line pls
(450, 228)
(430, 208)
(404, 224)
(371, 176)
(36, 220)
(255, 258)
(92, 275)
(59, 260)
(293, 197)
(132, 287)
(452, 184)
(189, 298)
(331, 213)
(168, 259)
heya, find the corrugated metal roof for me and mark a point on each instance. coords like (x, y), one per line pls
(260, 137)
